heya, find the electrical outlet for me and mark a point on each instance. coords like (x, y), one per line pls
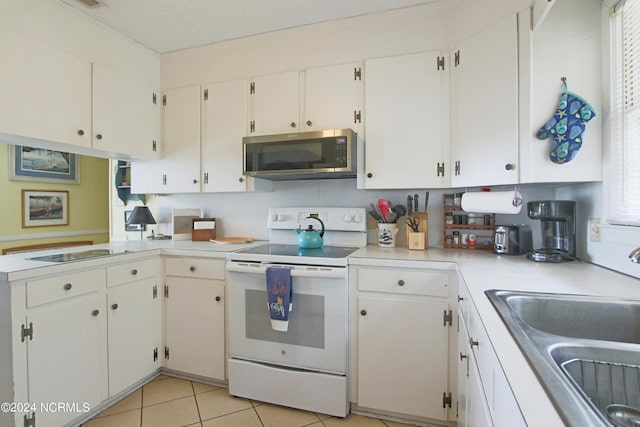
(594, 230)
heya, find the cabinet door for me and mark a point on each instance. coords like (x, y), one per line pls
(133, 325)
(406, 104)
(225, 123)
(402, 356)
(46, 92)
(275, 103)
(126, 115)
(485, 108)
(66, 358)
(463, 372)
(195, 327)
(478, 414)
(331, 97)
(181, 147)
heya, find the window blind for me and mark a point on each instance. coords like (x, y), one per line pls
(625, 120)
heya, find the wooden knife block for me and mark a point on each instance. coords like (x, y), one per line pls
(418, 241)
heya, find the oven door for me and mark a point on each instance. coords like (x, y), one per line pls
(317, 334)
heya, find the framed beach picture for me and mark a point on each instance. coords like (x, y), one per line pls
(39, 164)
(44, 208)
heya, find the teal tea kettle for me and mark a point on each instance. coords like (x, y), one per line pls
(310, 238)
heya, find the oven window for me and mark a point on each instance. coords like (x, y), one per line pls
(306, 321)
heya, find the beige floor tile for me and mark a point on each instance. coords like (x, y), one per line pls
(162, 377)
(280, 416)
(165, 390)
(203, 388)
(215, 403)
(123, 419)
(246, 418)
(353, 420)
(179, 412)
(133, 401)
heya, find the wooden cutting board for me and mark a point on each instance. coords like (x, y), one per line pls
(227, 240)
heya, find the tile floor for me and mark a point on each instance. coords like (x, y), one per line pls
(173, 402)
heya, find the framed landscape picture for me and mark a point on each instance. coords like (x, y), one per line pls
(39, 164)
(44, 208)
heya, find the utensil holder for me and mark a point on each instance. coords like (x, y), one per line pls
(415, 242)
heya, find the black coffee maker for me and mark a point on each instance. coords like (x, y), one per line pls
(558, 220)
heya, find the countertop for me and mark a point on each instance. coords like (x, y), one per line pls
(480, 270)
(483, 270)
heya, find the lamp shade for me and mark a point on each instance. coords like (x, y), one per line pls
(141, 215)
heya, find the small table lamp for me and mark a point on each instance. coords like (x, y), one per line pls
(141, 215)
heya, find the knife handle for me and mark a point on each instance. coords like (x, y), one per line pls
(409, 205)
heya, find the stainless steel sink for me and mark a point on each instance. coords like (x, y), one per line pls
(77, 256)
(585, 350)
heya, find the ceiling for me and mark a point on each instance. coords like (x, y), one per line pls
(169, 25)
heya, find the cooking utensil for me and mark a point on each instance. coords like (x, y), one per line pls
(426, 201)
(400, 210)
(414, 223)
(623, 415)
(391, 217)
(409, 204)
(416, 206)
(375, 212)
(384, 207)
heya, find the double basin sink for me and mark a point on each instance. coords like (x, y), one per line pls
(584, 350)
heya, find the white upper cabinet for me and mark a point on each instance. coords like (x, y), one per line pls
(275, 103)
(407, 119)
(331, 98)
(126, 115)
(45, 92)
(224, 115)
(484, 147)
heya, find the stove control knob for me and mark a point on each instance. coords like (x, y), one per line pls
(281, 217)
(274, 217)
(348, 218)
(357, 218)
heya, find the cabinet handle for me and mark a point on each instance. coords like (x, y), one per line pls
(67, 287)
(309, 123)
(462, 356)
(460, 298)
(94, 313)
(363, 312)
(240, 179)
(99, 136)
(192, 269)
(292, 124)
(400, 282)
(369, 175)
(134, 272)
(195, 181)
(218, 299)
(472, 342)
(114, 306)
(509, 166)
(80, 132)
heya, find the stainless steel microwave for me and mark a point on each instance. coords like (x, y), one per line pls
(304, 155)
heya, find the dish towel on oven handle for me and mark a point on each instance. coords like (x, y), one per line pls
(279, 293)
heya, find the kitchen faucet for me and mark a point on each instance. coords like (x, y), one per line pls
(634, 256)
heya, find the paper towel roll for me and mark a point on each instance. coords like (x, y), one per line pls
(502, 202)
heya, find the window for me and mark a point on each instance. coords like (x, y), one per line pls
(625, 114)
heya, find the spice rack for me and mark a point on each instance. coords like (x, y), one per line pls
(482, 225)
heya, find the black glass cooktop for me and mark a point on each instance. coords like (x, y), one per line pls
(294, 250)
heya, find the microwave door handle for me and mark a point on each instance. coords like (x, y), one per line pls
(297, 271)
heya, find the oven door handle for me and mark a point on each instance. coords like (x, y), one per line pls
(296, 271)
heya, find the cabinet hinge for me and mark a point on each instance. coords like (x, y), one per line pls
(252, 126)
(448, 318)
(440, 63)
(166, 291)
(357, 116)
(440, 169)
(164, 100)
(206, 94)
(155, 354)
(252, 88)
(166, 353)
(154, 145)
(26, 332)
(457, 409)
(164, 179)
(154, 99)
(456, 58)
(206, 177)
(446, 399)
(30, 421)
(456, 169)
(155, 291)
(357, 74)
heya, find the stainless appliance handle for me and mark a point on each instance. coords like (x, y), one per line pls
(296, 270)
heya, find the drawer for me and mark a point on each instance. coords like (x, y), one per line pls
(413, 282)
(202, 268)
(51, 289)
(132, 271)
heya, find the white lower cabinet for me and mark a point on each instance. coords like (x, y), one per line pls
(484, 397)
(403, 342)
(195, 317)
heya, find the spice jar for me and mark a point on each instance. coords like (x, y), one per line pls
(448, 219)
(472, 239)
(464, 238)
(448, 239)
(456, 237)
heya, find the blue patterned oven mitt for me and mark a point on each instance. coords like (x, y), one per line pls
(567, 126)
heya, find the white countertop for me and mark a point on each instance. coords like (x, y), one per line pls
(483, 270)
